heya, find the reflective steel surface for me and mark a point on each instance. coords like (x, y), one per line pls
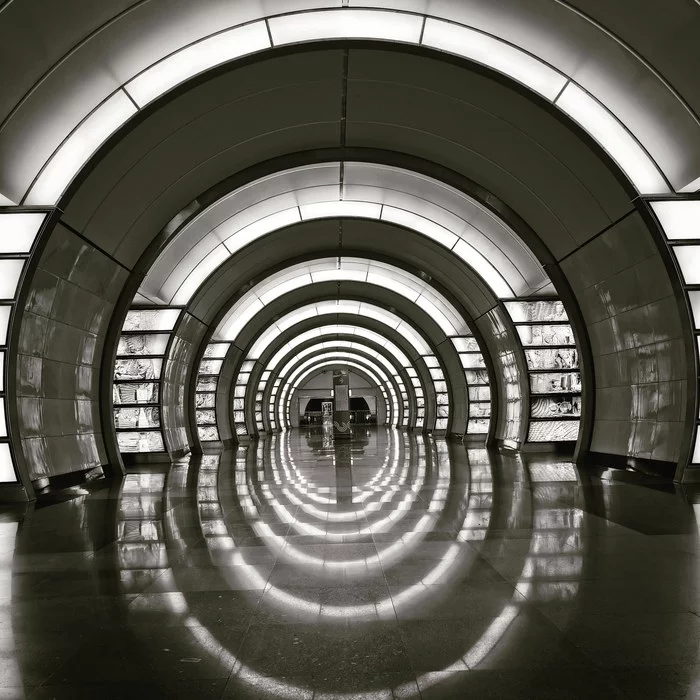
(390, 566)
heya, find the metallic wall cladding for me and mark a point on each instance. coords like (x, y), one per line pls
(511, 383)
(175, 382)
(635, 330)
(60, 352)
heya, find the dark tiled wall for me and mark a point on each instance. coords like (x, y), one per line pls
(174, 413)
(60, 354)
(635, 332)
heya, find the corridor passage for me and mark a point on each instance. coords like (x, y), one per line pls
(393, 565)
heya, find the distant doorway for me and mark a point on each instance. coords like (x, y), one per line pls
(360, 412)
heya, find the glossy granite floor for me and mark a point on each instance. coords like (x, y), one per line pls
(394, 566)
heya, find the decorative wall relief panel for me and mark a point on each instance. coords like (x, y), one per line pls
(553, 361)
(138, 389)
(205, 397)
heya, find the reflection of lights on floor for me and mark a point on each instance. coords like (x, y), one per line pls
(554, 553)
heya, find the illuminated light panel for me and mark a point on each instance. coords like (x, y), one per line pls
(195, 59)
(696, 449)
(694, 297)
(18, 231)
(346, 24)
(680, 219)
(3, 420)
(195, 278)
(351, 275)
(447, 325)
(386, 276)
(78, 147)
(484, 268)
(614, 138)
(416, 341)
(301, 373)
(241, 238)
(688, 257)
(7, 469)
(285, 323)
(420, 224)
(284, 287)
(693, 186)
(342, 208)
(334, 355)
(322, 331)
(10, 271)
(237, 322)
(381, 316)
(494, 53)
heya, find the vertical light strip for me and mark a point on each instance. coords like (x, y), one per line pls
(680, 222)
(18, 233)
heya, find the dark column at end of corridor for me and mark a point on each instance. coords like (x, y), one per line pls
(341, 404)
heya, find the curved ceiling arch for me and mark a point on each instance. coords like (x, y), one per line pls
(391, 349)
(293, 383)
(427, 374)
(346, 307)
(389, 277)
(386, 193)
(390, 374)
(408, 379)
(306, 370)
(292, 370)
(214, 130)
(337, 345)
(541, 65)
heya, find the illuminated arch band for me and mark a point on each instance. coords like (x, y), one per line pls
(110, 111)
(378, 192)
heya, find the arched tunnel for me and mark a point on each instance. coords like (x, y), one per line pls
(350, 349)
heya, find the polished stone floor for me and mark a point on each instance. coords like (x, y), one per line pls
(391, 566)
